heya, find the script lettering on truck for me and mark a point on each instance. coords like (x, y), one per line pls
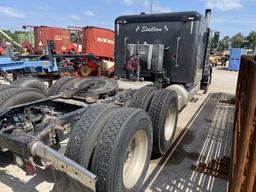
(144, 29)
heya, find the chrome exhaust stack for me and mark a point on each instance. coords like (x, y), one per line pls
(208, 14)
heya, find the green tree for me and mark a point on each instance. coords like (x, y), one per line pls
(224, 43)
(238, 41)
(215, 40)
(12, 35)
(251, 40)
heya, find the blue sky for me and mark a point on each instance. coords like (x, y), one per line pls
(228, 16)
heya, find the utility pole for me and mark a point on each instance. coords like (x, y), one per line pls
(151, 6)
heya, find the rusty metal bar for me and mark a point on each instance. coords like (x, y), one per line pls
(250, 179)
(64, 164)
(235, 131)
(243, 173)
(246, 133)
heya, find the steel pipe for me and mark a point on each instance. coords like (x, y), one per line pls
(64, 164)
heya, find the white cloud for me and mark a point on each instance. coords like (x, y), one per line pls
(128, 2)
(75, 17)
(224, 5)
(11, 12)
(89, 13)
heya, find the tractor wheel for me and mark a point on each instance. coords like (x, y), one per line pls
(143, 97)
(82, 143)
(31, 82)
(20, 97)
(163, 111)
(59, 85)
(122, 155)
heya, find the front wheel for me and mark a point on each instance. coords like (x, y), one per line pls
(207, 80)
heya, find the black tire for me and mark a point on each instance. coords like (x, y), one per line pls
(111, 152)
(6, 91)
(59, 85)
(85, 135)
(205, 89)
(205, 85)
(82, 143)
(31, 82)
(164, 105)
(20, 97)
(143, 97)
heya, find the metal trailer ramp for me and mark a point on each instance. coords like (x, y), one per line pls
(200, 161)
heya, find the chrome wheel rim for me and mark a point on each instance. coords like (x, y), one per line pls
(135, 161)
(170, 123)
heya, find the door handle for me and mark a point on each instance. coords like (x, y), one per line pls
(177, 51)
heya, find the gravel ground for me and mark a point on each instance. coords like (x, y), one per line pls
(224, 81)
(14, 179)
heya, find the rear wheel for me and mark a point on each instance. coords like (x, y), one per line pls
(31, 82)
(122, 156)
(163, 111)
(136, 156)
(82, 142)
(143, 97)
(85, 135)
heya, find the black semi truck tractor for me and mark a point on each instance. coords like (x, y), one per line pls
(99, 133)
(169, 49)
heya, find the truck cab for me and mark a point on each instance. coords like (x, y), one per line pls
(166, 48)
